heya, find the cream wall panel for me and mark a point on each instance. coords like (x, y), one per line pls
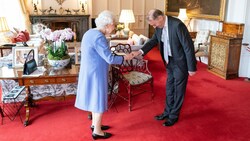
(160, 4)
(139, 24)
(126, 4)
(148, 5)
(114, 6)
(233, 6)
(138, 7)
(98, 6)
(65, 5)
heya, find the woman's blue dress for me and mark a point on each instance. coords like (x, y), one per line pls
(92, 90)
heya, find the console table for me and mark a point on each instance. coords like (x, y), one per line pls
(50, 76)
(78, 23)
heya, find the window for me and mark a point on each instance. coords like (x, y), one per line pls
(11, 9)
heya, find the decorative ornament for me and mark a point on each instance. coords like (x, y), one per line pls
(60, 1)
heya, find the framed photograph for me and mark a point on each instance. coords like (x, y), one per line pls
(20, 54)
(205, 9)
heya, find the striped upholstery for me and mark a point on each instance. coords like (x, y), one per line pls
(136, 78)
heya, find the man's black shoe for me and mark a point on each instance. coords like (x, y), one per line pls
(161, 117)
(170, 122)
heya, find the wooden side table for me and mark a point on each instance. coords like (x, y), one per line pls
(120, 38)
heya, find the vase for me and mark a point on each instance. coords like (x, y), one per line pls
(58, 64)
(120, 33)
(61, 10)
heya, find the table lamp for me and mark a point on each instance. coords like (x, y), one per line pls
(184, 18)
(126, 17)
(3, 28)
(183, 14)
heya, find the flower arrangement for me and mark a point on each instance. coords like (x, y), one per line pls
(38, 27)
(120, 27)
(56, 47)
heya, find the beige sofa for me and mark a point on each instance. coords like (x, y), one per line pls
(136, 42)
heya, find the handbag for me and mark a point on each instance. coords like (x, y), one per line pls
(30, 63)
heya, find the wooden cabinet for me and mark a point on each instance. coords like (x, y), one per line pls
(224, 56)
(78, 23)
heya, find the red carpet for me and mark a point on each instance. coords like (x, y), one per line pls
(214, 109)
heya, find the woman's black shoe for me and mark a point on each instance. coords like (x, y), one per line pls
(105, 136)
(103, 127)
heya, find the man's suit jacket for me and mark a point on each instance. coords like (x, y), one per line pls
(181, 44)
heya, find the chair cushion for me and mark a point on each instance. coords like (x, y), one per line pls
(201, 37)
(135, 77)
(200, 54)
(137, 40)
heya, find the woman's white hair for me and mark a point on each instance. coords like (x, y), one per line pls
(104, 18)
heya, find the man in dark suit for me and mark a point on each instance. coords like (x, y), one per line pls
(177, 52)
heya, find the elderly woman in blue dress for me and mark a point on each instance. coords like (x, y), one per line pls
(92, 87)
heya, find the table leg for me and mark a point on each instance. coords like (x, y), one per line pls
(26, 122)
(1, 52)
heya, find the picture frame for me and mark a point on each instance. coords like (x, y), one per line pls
(76, 46)
(212, 9)
(20, 54)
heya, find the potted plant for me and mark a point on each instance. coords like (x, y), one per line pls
(58, 56)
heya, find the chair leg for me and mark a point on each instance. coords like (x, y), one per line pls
(129, 99)
(2, 115)
(152, 89)
(200, 59)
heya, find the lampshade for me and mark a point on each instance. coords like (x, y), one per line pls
(3, 25)
(127, 16)
(183, 14)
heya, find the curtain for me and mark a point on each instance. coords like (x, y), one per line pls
(25, 12)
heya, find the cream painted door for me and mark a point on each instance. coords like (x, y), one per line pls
(244, 68)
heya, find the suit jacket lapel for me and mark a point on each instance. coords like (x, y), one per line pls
(159, 34)
(160, 42)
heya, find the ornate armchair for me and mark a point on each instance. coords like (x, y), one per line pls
(133, 74)
(201, 43)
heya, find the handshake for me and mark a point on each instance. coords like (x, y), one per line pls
(131, 55)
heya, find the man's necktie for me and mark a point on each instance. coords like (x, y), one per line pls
(166, 47)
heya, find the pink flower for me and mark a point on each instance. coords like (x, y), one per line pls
(57, 35)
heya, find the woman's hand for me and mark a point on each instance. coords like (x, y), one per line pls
(136, 53)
